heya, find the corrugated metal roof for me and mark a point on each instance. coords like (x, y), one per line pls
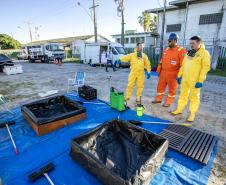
(177, 4)
(65, 41)
(156, 10)
(184, 2)
(138, 33)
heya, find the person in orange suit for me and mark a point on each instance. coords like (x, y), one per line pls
(168, 69)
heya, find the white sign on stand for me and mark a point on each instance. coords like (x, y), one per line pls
(157, 51)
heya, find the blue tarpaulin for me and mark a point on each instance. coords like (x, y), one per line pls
(37, 151)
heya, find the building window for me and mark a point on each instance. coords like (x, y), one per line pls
(140, 39)
(132, 40)
(48, 47)
(114, 52)
(211, 18)
(173, 28)
(118, 40)
(126, 40)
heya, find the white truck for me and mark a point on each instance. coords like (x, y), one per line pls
(23, 54)
(45, 52)
(94, 53)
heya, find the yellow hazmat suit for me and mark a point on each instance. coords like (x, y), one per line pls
(193, 70)
(137, 66)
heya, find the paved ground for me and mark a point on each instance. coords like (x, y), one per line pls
(42, 77)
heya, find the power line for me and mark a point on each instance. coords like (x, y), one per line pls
(57, 10)
(87, 12)
(93, 18)
(159, 3)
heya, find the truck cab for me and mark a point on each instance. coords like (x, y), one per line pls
(118, 51)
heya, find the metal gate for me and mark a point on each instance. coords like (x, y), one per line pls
(221, 63)
(151, 53)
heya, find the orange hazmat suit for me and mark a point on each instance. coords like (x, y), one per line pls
(168, 69)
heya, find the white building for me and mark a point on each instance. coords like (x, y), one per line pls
(132, 37)
(205, 18)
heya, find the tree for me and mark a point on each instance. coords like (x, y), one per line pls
(153, 24)
(147, 22)
(7, 42)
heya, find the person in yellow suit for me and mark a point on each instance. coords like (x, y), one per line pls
(191, 76)
(139, 66)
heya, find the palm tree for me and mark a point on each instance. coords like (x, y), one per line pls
(153, 24)
(147, 22)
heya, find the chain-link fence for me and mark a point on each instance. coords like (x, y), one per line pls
(153, 56)
(221, 63)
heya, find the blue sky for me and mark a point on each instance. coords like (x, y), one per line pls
(64, 18)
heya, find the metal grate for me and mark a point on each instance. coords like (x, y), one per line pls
(211, 18)
(191, 142)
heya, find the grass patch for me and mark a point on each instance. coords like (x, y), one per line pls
(13, 55)
(218, 72)
(76, 60)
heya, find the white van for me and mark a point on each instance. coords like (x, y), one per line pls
(94, 53)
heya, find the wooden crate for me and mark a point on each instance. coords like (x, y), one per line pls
(49, 127)
(49, 114)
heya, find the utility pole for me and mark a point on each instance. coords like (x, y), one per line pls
(123, 23)
(120, 10)
(185, 24)
(29, 28)
(94, 19)
(163, 27)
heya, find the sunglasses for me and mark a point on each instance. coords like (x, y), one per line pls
(170, 40)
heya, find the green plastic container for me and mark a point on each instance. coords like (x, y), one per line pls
(117, 100)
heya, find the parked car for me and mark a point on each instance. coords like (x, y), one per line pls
(5, 61)
(22, 56)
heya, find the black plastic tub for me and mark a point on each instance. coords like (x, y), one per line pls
(87, 92)
(119, 153)
(52, 113)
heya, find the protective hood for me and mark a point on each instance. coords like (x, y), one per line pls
(203, 46)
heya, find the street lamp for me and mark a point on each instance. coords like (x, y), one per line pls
(29, 29)
(92, 18)
(79, 4)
